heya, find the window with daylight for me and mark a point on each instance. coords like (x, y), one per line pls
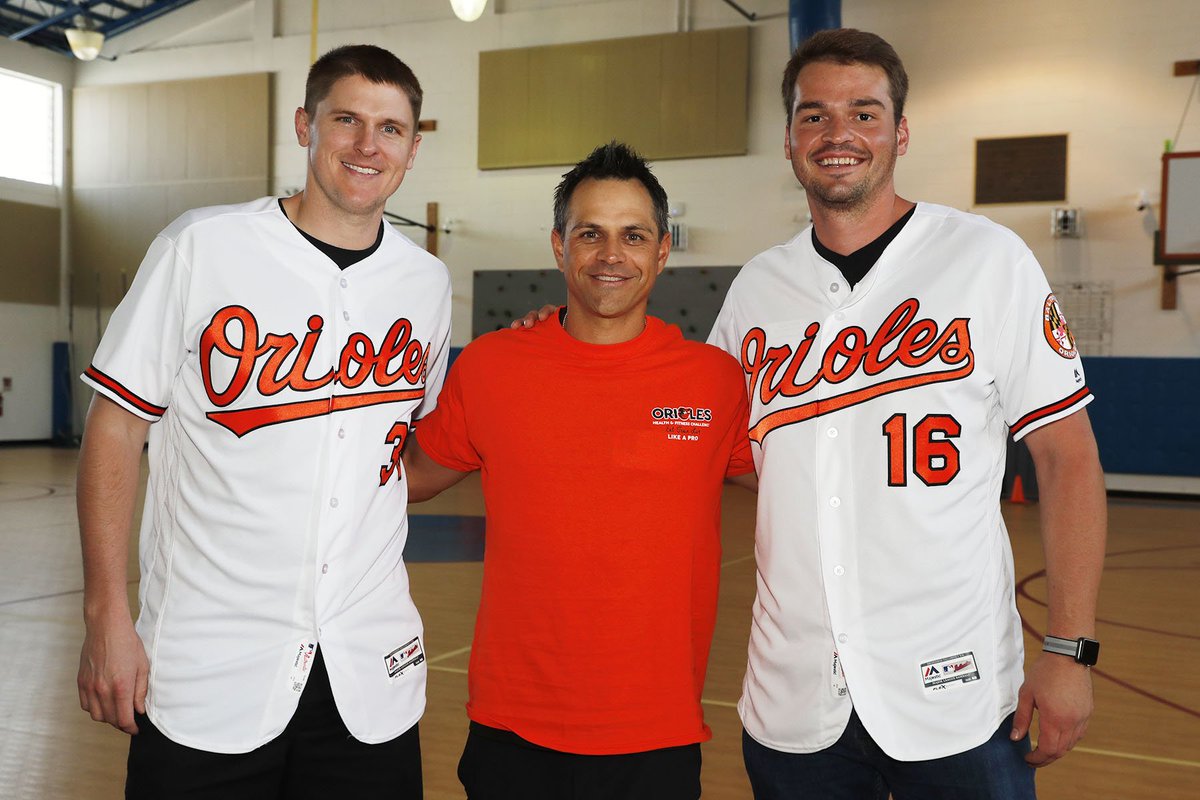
(27, 137)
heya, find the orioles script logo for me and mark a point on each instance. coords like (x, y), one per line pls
(271, 358)
(901, 338)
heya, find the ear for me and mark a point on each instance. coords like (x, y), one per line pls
(787, 141)
(664, 250)
(556, 244)
(902, 137)
(302, 131)
(413, 155)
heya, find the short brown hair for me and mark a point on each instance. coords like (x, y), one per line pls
(847, 46)
(373, 63)
(616, 162)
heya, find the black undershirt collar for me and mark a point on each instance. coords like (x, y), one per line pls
(341, 256)
(855, 266)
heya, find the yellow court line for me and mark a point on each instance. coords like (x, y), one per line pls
(448, 669)
(736, 561)
(1177, 762)
(451, 654)
(721, 703)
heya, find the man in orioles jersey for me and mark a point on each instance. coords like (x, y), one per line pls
(604, 438)
(276, 352)
(888, 351)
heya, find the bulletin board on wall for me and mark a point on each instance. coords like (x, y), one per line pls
(1179, 225)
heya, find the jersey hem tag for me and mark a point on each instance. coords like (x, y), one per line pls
(945, 672)
(409, 654)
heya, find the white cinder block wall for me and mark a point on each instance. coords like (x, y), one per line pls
(1100, 72)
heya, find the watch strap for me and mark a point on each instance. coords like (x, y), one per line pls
(1083, 650)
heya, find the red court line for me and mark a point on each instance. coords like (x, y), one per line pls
(1039, 635)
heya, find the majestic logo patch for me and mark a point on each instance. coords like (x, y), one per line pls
(406, 655)
(1054, 324)
(960, 668)
(301, 662)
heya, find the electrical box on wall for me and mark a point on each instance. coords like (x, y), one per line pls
(1064, 222)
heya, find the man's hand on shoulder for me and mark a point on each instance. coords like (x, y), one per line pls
(534, 317)
(113, 672)
(1061, 691)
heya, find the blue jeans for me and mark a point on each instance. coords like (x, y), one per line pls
(854, 768)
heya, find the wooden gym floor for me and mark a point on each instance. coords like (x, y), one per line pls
(1144, 741)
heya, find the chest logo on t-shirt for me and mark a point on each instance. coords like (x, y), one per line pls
(927, 352)
(681, 423)
(263, 366)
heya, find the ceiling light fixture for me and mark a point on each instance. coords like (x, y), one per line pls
(468, 10)
(85, 40)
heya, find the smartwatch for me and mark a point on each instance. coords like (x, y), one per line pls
(1084, 651)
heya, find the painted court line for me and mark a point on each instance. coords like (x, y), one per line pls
(733, 561)
(448, 669)
(451, 654)
(721, 703)
(1177, 762)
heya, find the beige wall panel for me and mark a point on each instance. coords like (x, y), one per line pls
(146, 153)
(169, 128)
(631, 96)
(503, 106)
(137, 127)
(29, 265)
(111, 229)
(679, 95)
(185, 196)
(732, 128)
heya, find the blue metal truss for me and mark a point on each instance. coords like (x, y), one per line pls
(43, 23)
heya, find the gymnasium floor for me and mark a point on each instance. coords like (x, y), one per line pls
(1144, 741)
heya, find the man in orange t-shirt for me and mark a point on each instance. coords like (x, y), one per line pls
(604, 438)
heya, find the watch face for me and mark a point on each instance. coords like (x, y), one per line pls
(1089, 652)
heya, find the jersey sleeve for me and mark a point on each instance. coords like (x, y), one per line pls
(1039, 374)
(725, 334)
(142, 349)
(444, 434)
(439, 358)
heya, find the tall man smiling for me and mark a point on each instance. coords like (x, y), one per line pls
(275, 352)
(888, 351)
(604, 438)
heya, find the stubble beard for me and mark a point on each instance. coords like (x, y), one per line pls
(850, 199)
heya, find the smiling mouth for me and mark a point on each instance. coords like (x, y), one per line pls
(360, 170)
(840, 161)
(611, 278)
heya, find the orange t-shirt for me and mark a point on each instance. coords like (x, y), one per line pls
(602, 474)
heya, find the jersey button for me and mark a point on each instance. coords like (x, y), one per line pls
(341, 433)
(324, 568)
(835, 502)
(832, 433)
(842, 638)
(333, 502)
(346, 316)
(833, 287)
(839, 570)
(344, 283)
(839, 316)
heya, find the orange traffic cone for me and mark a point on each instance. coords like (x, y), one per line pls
(1018, 491)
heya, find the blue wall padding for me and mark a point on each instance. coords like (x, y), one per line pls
(61, 414)
(806, 17)
(1145, 414)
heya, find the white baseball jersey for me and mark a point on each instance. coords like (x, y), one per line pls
(880, 418)
(281, 389)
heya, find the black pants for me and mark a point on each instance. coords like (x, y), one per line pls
(314, 757)
(499, 765)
